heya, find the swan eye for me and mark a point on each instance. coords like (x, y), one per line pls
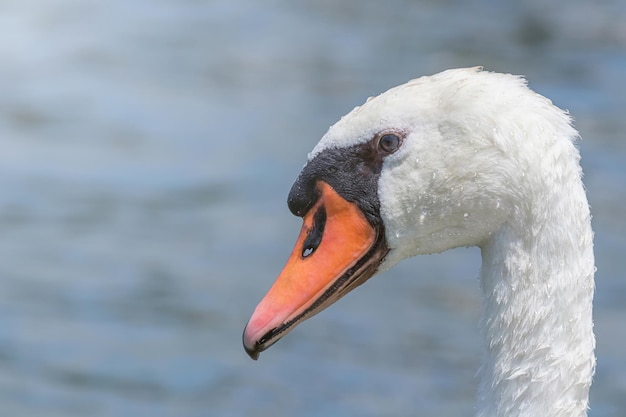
(389, 143)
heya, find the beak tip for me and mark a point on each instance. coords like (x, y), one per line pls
(251, 348)
(253, 353)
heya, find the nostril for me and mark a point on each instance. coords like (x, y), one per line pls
(314, 238)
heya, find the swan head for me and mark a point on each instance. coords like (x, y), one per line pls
(437, 163)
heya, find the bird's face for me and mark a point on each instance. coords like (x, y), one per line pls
(394, 178)
(342, 241)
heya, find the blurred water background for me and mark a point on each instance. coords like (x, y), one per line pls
(146, 151)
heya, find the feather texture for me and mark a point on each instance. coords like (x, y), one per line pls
(487, 162)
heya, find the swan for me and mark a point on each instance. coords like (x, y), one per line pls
(465, 157)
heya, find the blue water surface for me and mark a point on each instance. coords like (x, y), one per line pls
(146, 151)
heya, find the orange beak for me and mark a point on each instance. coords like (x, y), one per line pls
(336, 251)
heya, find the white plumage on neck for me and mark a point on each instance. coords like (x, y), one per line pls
(537, 287)
(487, 162)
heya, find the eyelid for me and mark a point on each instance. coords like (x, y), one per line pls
(378, 140)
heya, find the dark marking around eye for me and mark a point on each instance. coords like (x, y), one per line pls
(314, 238)
(352, 171)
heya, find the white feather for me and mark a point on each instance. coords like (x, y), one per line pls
(488, 162)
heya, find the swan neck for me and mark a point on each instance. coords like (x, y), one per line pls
(537, 289)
